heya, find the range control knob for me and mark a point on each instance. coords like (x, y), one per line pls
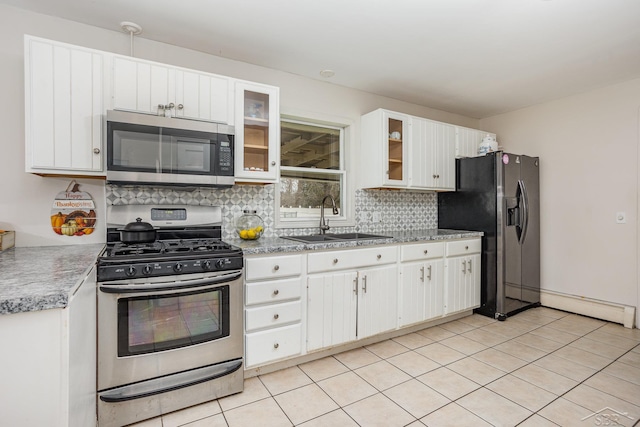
(206, 265)
(220, 263)
(147, 269)
(178, 267)
(130, 271)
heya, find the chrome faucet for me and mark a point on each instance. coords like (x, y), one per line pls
(323, 225)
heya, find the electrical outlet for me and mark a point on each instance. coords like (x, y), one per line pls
(376, 217)
(621, 218)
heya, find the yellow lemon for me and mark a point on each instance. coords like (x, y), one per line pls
(244, 234)
(251, 234)
(259, 229)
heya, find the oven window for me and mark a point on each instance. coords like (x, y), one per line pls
(155, 323)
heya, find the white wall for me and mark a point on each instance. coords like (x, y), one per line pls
(25, 199)
(588, 145)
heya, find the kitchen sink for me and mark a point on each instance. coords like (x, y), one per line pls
(344, 237)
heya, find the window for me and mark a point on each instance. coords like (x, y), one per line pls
(312, 165)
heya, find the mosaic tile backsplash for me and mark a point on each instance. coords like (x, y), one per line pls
(399, 210)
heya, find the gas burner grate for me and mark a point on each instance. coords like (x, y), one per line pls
(123, 249)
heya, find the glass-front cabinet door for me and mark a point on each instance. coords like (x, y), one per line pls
(396, 136)
(257, 133)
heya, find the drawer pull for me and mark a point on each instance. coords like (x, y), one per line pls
(276, 267)
(335, 260)
(276, 345)
(276, 316)
(466, 248)
(426, 251)
(379, 256)
(276, 292)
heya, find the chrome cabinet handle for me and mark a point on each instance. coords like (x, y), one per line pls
(273, 163)
(276, 316)
(464, 266)
(335, 260)
(469, 269)
(426, 251)
(96, 151)
(276, 267)
(276, 345)
(422, 273)
(429, 275)
(355, 285)
(379, 256)
(180, 106)
(364, 284)
(276, 292)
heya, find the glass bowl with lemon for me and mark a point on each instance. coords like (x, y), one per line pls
(249, 225)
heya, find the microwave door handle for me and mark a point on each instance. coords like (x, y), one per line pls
(127, 288)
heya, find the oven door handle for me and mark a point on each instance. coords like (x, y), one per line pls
(170, 383)
(126, 288)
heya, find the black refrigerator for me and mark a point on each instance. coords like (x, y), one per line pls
(499, 194)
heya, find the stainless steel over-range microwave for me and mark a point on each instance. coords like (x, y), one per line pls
(147, 149)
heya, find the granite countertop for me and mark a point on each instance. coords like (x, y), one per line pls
(268, 245)
(44, 277)
(41, 278)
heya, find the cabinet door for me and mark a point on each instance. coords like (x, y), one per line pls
(396, 135)
(63, 109)
(463, 284)
(422, 291)
(445, 151)
(467, 142)
(201, 96)
(422, 154)
(141, 86)
(377, 300)
(432, 155)
(331, 309)
(257, 133)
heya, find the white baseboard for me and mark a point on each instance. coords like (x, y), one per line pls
(610, 312)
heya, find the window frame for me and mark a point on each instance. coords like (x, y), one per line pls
(347, 142)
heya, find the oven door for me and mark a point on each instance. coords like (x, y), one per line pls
(150, 328)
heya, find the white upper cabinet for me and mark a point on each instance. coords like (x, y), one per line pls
(384, 150)
(468, 140)
(152, 88)
(257, 143)
(432, 155)
(402, 151)
(63, 109)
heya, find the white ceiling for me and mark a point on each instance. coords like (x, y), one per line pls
(477, 58)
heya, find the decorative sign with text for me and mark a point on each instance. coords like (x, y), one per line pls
(73, 212)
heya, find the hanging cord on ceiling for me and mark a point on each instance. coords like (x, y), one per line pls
(133, 30)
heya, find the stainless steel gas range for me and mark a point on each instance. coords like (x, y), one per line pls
(170, 318)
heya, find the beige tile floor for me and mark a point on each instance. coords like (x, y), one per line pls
(542, 367)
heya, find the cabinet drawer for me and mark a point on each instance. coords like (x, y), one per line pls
(353, 258)
(273, 315)
(273, 344)
(464, 247)
(273, 291)
(420, 251)
(271, 267)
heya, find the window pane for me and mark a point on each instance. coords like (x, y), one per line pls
(309, 146)
(301, 193)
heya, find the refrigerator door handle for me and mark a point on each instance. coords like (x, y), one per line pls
(524, 210)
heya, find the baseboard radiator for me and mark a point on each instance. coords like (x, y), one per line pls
(610, 312)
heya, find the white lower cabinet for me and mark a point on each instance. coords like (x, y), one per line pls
(49, 361)
(332, 297)
(352, 294)
(462, 290)
(421, 282)
(273, 308)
